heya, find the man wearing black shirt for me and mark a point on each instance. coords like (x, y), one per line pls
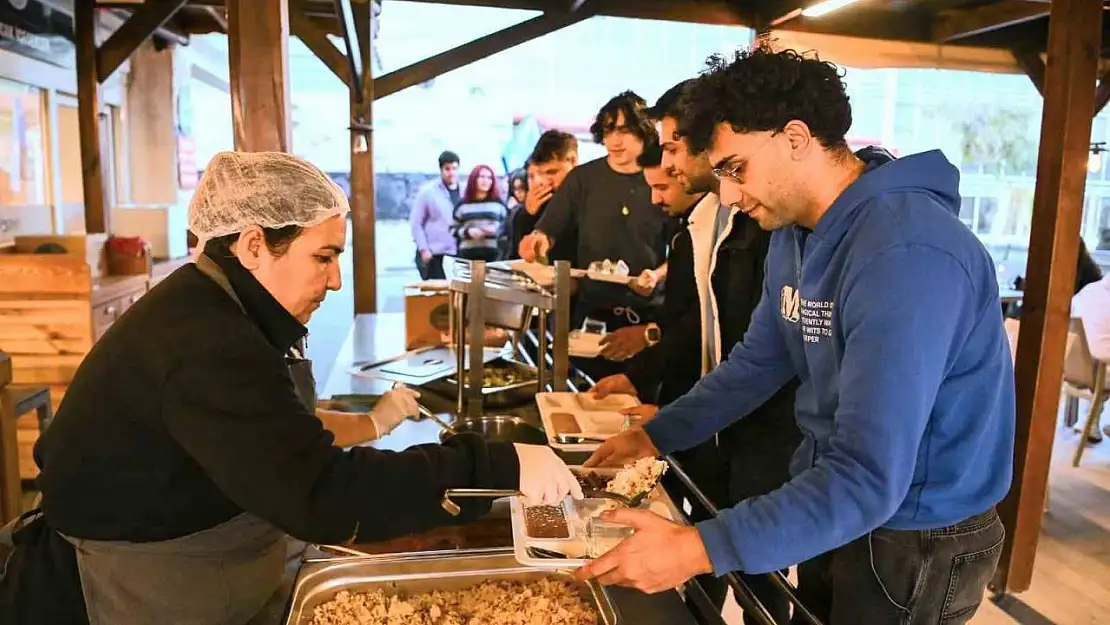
(609, 204)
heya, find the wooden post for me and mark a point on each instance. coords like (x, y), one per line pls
(362, 170)
(88, 113)
(258, 33)
(1074, 40)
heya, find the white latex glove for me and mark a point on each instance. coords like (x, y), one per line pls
(393, 408)
(544, 477)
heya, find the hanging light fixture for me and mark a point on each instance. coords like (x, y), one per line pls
(1094, 161)
(359, 131)
(826, 7)
(818, 9)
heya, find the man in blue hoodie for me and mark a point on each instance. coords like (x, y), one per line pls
(886, 308)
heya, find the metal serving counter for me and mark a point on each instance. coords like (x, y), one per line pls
(375, 337)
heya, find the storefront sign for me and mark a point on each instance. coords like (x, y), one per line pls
(34, 29)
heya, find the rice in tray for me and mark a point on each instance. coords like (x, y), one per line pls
(637, 477)
(542, 602)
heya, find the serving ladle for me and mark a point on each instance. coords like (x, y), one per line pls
(453, 508)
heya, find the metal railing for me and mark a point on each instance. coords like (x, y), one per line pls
(742, 593)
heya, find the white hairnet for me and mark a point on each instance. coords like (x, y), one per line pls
(267, 189)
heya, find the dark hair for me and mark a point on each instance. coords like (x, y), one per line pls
(277, 240)
(553, 145)
(762, 89)
(1087, 270)
(635, 117)
(447, 156)
(471, 193)
(521, 175)
(652, 156)
(667, 104)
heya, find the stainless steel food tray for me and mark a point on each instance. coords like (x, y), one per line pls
(418, 366)
(509, 396)
(318, 582)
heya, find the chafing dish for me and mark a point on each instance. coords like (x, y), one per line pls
(319, 581)
(505, 396)
(499, 428)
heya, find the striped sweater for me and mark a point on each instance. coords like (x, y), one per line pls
(488, 216)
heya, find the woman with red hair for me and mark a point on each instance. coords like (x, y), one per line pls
(480, 217)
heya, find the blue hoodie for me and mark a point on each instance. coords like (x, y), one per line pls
(888, 313)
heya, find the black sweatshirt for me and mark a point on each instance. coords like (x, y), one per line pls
(523, 223)
(612, 217)
(184, 415)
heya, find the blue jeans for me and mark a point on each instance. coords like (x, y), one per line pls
(934, 577)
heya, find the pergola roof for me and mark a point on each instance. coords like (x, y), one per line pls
(998, 24)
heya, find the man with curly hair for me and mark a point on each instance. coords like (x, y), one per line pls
(606, 206)
(885, 306)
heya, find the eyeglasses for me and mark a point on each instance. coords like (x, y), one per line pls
(735, 173)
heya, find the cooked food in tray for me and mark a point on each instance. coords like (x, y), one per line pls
(494, 376)
(565, 423)
(608, 267)
(631, 480)
(637, 477)
(590, 402)
(542, 602)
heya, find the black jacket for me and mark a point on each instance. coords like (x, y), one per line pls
(522, 223)
(666, 371)
(184, 415)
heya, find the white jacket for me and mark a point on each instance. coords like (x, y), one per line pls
(705, 261)
(1092, 305)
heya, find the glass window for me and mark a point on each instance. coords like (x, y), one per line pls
(967, 210)
(23, 179)
(1103, 225)
(984, 219)
(904, 117)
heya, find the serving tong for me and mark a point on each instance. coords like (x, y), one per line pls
(453, 508)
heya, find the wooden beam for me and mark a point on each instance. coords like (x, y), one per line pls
(218, 17)
(259, 56)
(471, 51)
(1031, 63)
(363, 213)
(347, 30)
(1075, 33)
(317, 42)
(958, 24)
(88, 114)
(145, 19)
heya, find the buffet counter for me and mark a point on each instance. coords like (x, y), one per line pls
(377, 337)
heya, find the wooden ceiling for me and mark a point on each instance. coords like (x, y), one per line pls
(1003, 24)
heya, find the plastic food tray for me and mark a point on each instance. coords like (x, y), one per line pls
(594, 423)
(578, 546)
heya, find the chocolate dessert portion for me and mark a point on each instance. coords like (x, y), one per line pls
(545, 522)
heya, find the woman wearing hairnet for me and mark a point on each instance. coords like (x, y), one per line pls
(186, 449)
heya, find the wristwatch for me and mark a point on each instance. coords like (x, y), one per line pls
(652, 334)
